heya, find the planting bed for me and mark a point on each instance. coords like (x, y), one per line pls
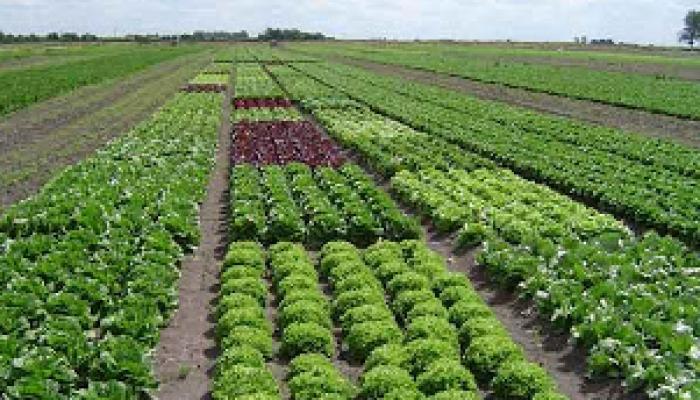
(283, 142)
(260, 102)
(204, 88)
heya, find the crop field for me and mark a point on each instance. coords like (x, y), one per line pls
(294, 223)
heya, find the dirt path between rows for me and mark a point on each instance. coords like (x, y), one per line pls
(636, 121)
(38, 142)
(186, 355)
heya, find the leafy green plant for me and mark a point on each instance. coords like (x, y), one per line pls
(241, 380)
(388, 354)
(423, 352)
(300, 338)
(304, 311)
(432, 328)
(443, 375)
(364, 337)
(383, 379)
(521, 380)
(486, 354)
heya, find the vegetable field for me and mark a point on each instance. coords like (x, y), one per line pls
(358, 236)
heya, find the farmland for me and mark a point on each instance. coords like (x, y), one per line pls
(289, 226)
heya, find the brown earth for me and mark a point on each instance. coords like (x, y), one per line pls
(41, 140)
(654, 125)
(186, 354)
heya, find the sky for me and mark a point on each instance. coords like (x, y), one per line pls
(633, 21)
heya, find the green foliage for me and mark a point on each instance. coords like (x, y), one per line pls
(443, 375)
(365, 313)
(465, 310)
(423, 352)
(405, 282)
(253, 317)
(308, 362)
(405, 301)
(97, 250)
(521, 380)
(432, 328)
(486, 354)
(252, 287)
(234, 301)
(478, 327)
(240, 355)
(239, 380)
(312, 376)
(247, 336)
(404, 394)
(456, 395)
(304, 311)
(381, 380)
(355, 298)
(296, 282)
(389, 354)
(367, 336)
(300, 338)
(431, 308)
(23, 87)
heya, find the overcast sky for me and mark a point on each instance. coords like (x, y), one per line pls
(640, 21)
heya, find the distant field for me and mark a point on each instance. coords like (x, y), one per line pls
(93, 64)
(659, 94)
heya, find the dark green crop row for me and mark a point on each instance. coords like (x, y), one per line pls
(21, 88)
(660, 95)
(648, 194)
(294, 203)
(90, 264)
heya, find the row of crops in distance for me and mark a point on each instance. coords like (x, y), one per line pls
(647, 193)
(23, 87)
(661, 95)
(630, 301)
(90, 264)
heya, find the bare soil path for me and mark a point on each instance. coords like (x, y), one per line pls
(186, 355)
(654, 125)
(41, 140)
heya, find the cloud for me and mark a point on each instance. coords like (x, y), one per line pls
(641, 21)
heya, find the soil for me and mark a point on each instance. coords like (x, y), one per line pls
(654, 125)
(185, 357)
(41, 140)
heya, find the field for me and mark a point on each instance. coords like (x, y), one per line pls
(348, 221)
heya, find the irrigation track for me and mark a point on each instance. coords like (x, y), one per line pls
(186, 354)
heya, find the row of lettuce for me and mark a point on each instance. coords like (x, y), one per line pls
(652, 193)
(630, 301)
(299, 204)
(419, 331)
(661, 95)
(90, 264)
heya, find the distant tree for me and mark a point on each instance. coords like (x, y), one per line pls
(691, 31)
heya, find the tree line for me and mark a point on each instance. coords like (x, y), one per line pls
(197, 36)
